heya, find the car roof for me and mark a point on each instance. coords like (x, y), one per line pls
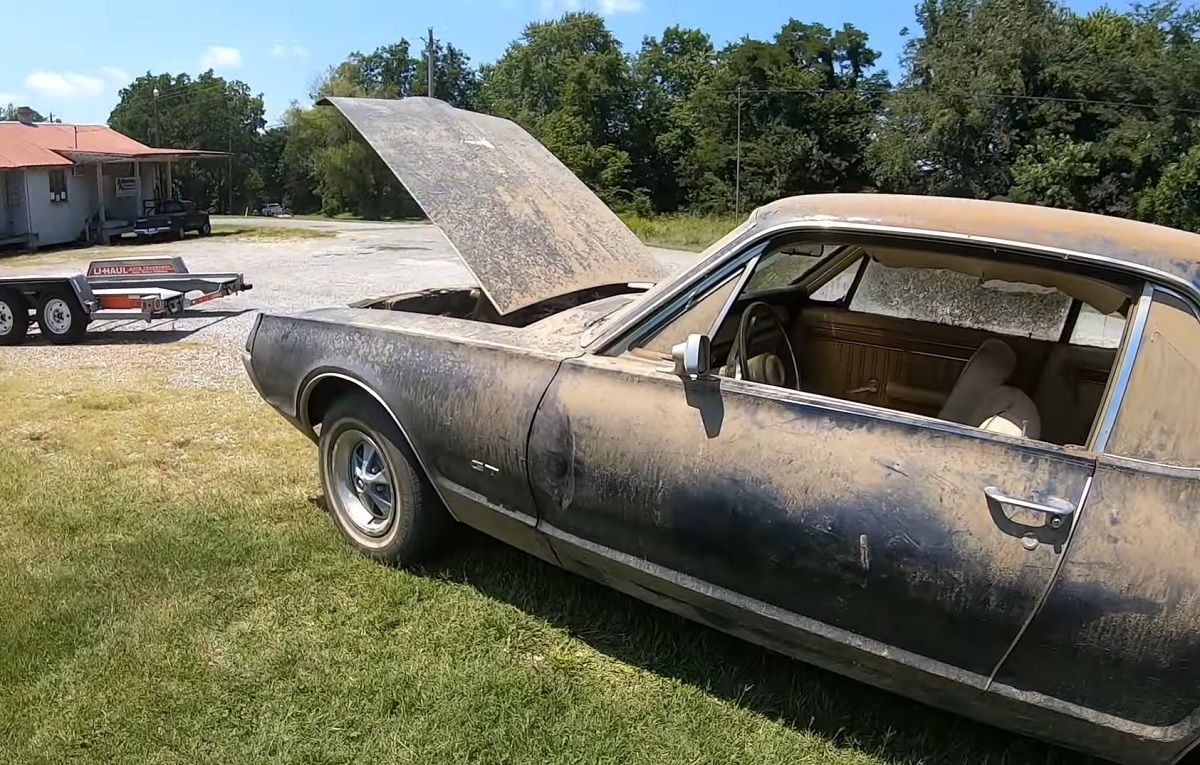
(1145, 246)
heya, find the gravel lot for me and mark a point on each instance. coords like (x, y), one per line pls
(362, 260)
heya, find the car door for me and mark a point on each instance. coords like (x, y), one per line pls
(853, 530)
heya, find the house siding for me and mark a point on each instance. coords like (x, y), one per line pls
(59, 222)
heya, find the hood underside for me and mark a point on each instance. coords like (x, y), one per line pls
(526, 227)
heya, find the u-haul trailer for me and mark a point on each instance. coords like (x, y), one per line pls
(123, 288)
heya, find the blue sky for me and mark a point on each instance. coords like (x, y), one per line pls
(73, 60)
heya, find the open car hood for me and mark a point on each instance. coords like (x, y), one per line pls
(526, 227)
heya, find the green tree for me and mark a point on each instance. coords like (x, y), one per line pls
(806, 106)
(208, 113)
(667, 72)
(569, 84)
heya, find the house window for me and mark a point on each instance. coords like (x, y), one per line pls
(58, 186)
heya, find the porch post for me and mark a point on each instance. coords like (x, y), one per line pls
(170, 190)
(29, 231)
(102, 234)
(137, 173)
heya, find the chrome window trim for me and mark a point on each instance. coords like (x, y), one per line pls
(747, 272)
(862, 409)
(738, 247)
(1120, 380)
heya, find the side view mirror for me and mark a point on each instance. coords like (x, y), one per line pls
(692, 356)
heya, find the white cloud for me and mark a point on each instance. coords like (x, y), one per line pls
(288, 50)
(116, 75)
(63, 84)
(613, 7)
(220, 57)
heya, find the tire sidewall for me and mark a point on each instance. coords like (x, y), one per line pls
(392, 546)
(20, 312)
(78, 318)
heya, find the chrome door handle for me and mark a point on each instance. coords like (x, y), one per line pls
(1057, 512)
(1054, 507)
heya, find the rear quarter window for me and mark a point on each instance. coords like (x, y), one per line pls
(949, 297)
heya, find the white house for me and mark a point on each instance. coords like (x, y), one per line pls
(64, 183)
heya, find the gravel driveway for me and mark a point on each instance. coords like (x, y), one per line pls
(362, 260)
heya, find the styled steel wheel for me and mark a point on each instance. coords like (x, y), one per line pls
(14, 317)
(375, 490)
(61, 318)
(363, 483)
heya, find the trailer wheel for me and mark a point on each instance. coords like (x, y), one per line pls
(61, 318)
(14, 317)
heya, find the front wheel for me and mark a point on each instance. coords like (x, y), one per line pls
(205, 229)
(61, 318)
(375, 491)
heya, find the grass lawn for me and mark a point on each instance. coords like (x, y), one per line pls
(680, 232)
(173, 593)
(271, 233)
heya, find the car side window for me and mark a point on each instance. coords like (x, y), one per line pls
(1158, 420)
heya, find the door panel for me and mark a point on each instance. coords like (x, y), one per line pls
(869, 521)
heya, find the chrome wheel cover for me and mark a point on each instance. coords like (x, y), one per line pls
(362, 483)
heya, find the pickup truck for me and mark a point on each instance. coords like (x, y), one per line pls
(174, 217)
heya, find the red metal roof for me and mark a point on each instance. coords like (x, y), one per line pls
(49, 144)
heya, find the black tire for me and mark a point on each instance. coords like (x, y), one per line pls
(180, 232)
(205, 228)
(419, 523)
(14, 317)
(60, 317)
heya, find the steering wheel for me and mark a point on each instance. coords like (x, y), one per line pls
(739, 356)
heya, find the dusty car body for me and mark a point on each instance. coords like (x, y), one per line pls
(994, 515)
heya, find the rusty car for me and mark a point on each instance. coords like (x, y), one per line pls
(947, 447)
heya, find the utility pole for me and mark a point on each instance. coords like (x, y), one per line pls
(230, 208)
(429, 60)
(737, 183)
(155, 92)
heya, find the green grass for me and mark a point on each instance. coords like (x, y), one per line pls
(174, 594)
(270, 233)
(681, 232)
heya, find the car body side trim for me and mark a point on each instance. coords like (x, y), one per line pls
(1163, 734)
(1120, 382)
(302, 416)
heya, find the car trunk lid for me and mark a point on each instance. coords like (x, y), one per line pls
(525, 226)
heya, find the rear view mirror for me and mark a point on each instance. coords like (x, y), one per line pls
(692, 356)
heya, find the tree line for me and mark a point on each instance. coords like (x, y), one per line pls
(1022, 100)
